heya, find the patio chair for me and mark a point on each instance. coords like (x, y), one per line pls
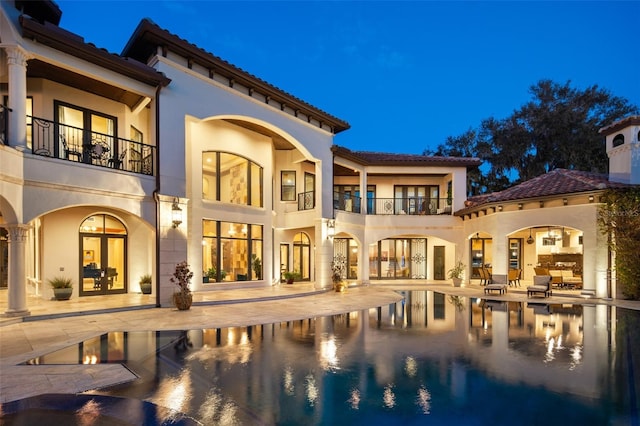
(498, 283)
(541, 284)
(484, 276)
(514, 277)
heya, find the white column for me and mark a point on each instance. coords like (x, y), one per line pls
(17, 102)
(323, 256)
(17, 291)
(363, 192)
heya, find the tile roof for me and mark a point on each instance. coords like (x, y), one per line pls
(148, 35)
(555, 182)
(620, 124)
(368, 158)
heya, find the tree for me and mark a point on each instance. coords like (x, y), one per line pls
(619, 218)
(558, 128)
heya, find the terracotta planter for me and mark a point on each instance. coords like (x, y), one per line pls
(457, 282)
(182, 301)
(340, 286)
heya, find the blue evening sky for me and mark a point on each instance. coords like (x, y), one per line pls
(404, 74)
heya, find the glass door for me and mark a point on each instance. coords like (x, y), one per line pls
(302, 256)
(103, 244)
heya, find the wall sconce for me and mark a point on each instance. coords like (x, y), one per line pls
(565, 201)
(499, 208)
(331, 228)
(591, 198)
(541, 204)
(519, 206)
(176, 213)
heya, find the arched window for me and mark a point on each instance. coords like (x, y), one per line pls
(231, 178)
(618, 140)
(302, 255)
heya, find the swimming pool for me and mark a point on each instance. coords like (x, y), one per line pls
(431, 359)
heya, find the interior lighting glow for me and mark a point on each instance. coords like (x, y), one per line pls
(388, 397)
(354, 399)
(423, 400)
(289, 385)
(411, 366)
(328, 352)
(312, 390)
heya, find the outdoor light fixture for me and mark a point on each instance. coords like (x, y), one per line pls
(176, 213)
(499, 208)
(541, 204)
(565, 201)
(591, 198)
(331, 228)
(519, 206)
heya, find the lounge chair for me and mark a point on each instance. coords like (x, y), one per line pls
(498, 283)
(541, 284)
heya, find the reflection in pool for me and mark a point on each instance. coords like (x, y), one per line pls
(432, 359)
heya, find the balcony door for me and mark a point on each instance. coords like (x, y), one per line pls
(103, 243)
(84, 135)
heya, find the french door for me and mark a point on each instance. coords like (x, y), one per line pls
(103, 254)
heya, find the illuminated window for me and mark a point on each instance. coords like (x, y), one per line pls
(288, 185)
(231, 251)
(231, 179)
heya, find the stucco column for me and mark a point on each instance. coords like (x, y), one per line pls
(500, 259)
(17, 102)
(324, 256)
(17, 291)
(595, 261)
(363, 192)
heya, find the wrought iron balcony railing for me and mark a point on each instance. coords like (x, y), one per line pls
(409, 205)
(4, 117)
(307, 200)
(393, 206)
(56, 140)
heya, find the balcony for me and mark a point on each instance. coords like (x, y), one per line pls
(306, 200)
(394, 206)
(51, 139)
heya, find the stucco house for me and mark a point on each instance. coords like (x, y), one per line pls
(113, 166)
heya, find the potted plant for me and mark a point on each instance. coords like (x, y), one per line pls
(145, 284)
(182, 298)
(456, 273)
(257, 266)
(212, 275)
(336, 277)
(291, 276)
(62, 287)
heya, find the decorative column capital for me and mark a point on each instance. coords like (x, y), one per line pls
(16, 55)
(17, 233)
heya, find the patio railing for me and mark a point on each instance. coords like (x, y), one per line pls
(51, 139)
(307, 200)
(393, 206)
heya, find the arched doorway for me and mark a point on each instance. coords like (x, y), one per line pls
(302, 255)
(103, 254)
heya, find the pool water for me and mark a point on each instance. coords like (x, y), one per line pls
(431, 359)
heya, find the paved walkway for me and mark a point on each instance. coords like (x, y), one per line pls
(57, 324)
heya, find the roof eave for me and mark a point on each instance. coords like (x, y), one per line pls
(148, 35)
(64, 41)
